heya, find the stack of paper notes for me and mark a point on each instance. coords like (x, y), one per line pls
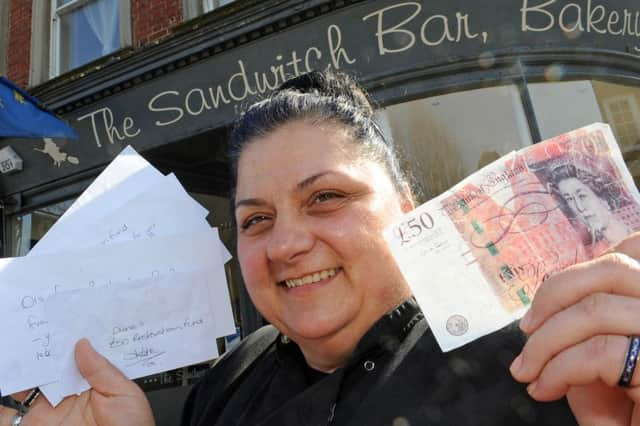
(133, 266)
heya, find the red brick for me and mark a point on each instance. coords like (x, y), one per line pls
(154, 19)
(151, 21)
(19, 41)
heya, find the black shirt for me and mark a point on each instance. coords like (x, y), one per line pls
(396, 376)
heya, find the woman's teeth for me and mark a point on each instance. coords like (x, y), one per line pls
(311, 278)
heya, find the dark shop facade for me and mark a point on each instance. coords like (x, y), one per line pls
(459, 83)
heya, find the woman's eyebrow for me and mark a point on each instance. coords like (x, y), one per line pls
(257, 202)
(250, 202)
(311, 179)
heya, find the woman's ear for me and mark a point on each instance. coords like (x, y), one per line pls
(407, 202)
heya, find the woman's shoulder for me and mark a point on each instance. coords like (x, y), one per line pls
(226, 371)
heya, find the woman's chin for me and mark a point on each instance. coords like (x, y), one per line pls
(313, 327)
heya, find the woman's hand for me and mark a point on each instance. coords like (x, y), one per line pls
(113, 400)
(578, 328)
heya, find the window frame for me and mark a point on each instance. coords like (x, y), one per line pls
(194, 8)
(45, 30)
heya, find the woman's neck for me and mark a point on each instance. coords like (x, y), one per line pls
(330, 352)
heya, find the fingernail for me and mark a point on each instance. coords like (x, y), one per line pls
(516, 365)
(525, 322)
(531, 389)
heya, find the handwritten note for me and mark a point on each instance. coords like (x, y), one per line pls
(163, 209)
(28, 282)
(158, 318)
(127, 176)
(132, 228)
(24, 347)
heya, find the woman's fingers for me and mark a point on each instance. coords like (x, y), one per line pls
(629, 246)
(600, 358)
(616, 273)
(103, 376)
(596, 314)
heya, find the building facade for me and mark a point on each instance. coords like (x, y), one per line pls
(459, 84)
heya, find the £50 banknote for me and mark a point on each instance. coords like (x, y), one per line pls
(475, 255)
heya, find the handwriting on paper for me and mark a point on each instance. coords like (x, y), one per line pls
(125, 233)
(146, 327)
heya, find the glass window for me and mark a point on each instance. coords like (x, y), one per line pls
(83, 30)
(27, 229)
(565, 106)
(209, 5)
(194, 8)
(560, 107)
(446, 138)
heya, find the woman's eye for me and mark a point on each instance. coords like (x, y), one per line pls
(253, 220)
(325, 196)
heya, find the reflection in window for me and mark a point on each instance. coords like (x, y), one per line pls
(27, 229)
(194, 8)
(83, 30)
(620, 109)
(209, 5)
(446, 138)
(561, 107)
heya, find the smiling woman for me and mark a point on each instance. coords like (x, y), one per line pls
(315, 185)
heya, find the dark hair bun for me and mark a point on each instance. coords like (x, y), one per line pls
(332, 84)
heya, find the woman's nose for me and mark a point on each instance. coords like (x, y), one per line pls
(288, 241)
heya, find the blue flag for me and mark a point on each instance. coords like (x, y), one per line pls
(24, 116)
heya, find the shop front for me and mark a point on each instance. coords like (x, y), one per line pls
(459, 84)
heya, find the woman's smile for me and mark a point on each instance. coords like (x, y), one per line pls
(319, 277)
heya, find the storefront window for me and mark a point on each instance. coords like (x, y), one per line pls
(83, 31)
(27, 229)
(560, 107)
(446, 138)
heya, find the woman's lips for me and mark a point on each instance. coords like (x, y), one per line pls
(311, 278)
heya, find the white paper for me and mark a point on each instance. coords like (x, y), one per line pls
(163, 209)
(131, 223)
(126, 177)
(27, 282)
(26, 358)
(160, 323)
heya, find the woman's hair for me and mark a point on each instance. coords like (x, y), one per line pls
(317, 97)
(602, 185)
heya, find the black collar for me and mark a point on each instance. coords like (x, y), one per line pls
(385, 336)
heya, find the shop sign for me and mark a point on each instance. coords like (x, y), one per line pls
(373, 39)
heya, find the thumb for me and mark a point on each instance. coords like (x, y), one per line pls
(103, 376)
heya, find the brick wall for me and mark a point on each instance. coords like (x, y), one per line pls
(152, 20)
(19, 45)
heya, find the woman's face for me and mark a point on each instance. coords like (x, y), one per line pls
(310, 216)
(585, 204)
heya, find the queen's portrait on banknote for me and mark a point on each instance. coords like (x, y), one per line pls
(592, 200)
